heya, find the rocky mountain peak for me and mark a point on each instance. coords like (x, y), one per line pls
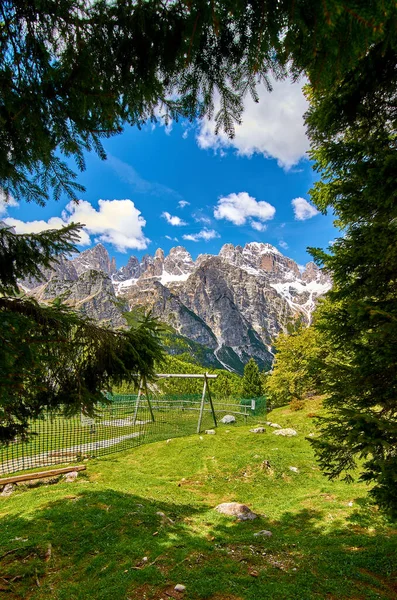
(96, 258)
(178, 262)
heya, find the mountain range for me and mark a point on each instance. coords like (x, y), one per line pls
(231, 305)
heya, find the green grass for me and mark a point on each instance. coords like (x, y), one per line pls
(100, 527)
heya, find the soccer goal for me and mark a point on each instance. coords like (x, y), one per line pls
(159, 402)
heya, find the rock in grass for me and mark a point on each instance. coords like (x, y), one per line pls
(179, 587)
(70, 477)
(288, 432)
(263, 533)
(8, 489)
(228, 419)
(258, 430)
(210, 431)
(234, 509)
(294, 469)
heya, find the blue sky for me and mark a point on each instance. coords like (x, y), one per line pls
(182, 185)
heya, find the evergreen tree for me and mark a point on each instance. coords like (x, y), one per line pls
(353, 132)
(251, 384)
(50, 357)
(74, 72)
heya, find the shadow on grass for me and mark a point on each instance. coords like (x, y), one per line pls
(110, 545)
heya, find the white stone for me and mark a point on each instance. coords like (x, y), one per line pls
(294, 469)
(228, 419)
(263, 533)
(179, 587)
(210, 431)
(235, 509)
(258, 430)
(70, 477)
(7, 489)
(288, 432)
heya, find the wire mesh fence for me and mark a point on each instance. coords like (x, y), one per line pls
(122, 424)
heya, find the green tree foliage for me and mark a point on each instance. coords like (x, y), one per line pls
(252, 383)
(353, 132)
(49, 355)
(296, 366)
(74, 72)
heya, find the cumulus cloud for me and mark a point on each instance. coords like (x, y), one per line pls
(6, 202)
(240, 208)
(183, 203)
(205, 234)
(303, 210)
(116, 222)
(40, 225)
(258, 226)
(273, 127)
(283, 244)
(199, 217)
(173, 219)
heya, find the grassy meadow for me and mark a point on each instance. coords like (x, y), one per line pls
(101, 538)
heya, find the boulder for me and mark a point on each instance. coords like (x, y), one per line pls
(263, 533)
(234, 509)
(70, 477)
(228, 419)
(258, 430)
(288, 432)
(8, 489)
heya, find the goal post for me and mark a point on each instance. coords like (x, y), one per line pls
(205, 396)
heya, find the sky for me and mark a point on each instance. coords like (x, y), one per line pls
(181, 184)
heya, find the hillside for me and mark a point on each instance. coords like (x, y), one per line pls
(104, 537)
(231, 305)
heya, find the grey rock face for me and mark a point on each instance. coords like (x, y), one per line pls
(179, 261)
(167, 305)
(234, 303)
(131, 270)
(92, 294)
(96, 258)
(63, 269)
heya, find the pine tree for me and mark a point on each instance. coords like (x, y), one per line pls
(75, 72)
(251, 384)
(353, 132)
(51, 357)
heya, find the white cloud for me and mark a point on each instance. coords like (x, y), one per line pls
(173, 219)
(240, 208)
(258, 226)
(205, 234)
(303, 210)
(6, 202)
(273, 127)
(283, 244)
(172, 239)
(116, 222)
(199, 217)
(183, 203)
